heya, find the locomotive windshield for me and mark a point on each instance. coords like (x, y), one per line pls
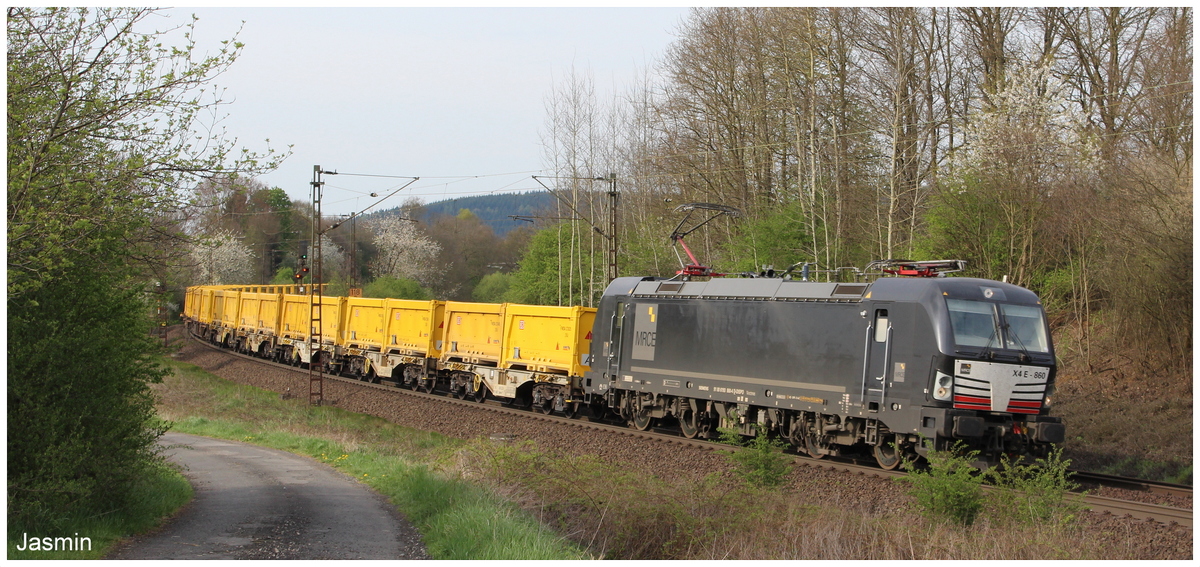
(983, 324)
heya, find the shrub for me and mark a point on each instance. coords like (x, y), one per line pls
(762, 462)
(950, 487)
(1034, 493)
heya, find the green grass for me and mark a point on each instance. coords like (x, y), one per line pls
(457, 519)
(161, 495)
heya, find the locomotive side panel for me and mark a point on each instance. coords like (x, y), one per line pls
(787, 355)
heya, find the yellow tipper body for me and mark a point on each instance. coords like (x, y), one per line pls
(547, 339)
(191, 303)
(364, 323)
(414, 328)
(473, 332)
(269, 307)
(205, 309)
(294, 318)
(248, 311)
(226, 307)
(260, 312)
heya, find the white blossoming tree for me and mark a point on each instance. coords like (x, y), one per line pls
(403, 251)
(222, 259)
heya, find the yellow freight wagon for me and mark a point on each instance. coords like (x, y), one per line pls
(269, 307)
(415, 328)
(298, 321)
(205, 309)
(225, 313)
(364, 324)
(294, 316)
(397, 339)
(258, 319)
(473, 333)
(191, 303)
(248, 312)
(547, 339)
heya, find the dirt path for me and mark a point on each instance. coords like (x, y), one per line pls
(258, 503)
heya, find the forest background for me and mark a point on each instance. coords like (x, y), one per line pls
(1048, 146)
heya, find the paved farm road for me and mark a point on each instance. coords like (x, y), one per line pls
(258, 503)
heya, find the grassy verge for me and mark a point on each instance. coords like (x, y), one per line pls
(458, 520)
(466, 496)
(161, 495)
(619, 513)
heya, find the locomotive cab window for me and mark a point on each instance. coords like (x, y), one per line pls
(973, 322)
(1025, 328)
(1000, 325)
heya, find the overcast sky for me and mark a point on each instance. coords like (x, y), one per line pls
(437, 93)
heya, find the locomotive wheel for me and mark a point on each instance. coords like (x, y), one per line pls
(689, 424)
(811, 446)
(887, 454)
(642, 419)
(597, 411)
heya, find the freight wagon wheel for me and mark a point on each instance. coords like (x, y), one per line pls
(572, 410)
(426, 385)
(887, 454)
(548, 406)
(480, 393)
(689, 424)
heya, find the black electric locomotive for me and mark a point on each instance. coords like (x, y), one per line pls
(894, 366)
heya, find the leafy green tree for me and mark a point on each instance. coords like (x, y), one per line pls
(544, 277)
(778, 238)
(105, 134)
(396, 288)
(492, 287)
(284, 276)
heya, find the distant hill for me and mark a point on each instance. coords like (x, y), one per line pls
(495, 209)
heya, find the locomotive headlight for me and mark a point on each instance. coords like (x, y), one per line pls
(943, 387)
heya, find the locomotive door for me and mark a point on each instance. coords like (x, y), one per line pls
(616, 330)
(876, 357)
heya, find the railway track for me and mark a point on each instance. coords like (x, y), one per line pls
(1105, 505)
